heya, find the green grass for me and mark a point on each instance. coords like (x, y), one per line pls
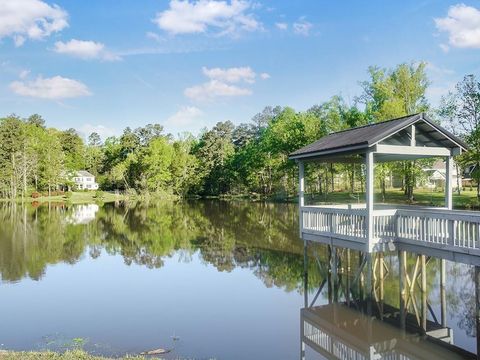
(49, 355)
(79, 197)
(466, 200)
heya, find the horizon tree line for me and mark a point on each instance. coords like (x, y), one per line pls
(251, 157)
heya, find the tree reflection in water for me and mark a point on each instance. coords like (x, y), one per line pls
(262, 237)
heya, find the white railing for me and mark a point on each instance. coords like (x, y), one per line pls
(339, 222)
(422, 226)
(443, 228)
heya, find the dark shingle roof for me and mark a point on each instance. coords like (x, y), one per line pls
(366, 136)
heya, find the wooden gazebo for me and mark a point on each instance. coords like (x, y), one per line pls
(370, 227)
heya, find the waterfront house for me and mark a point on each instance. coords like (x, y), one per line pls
(84, 180)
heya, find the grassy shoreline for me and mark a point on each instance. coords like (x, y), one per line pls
(50, 355)
(76, 198)
(466, 200)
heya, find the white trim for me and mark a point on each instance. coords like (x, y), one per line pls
(448, 183)
(412, 150)
(369, 162)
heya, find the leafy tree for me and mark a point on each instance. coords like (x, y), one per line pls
(51, 160)
(73, 149)
(158, 160)
(460, 111)
(214, 151)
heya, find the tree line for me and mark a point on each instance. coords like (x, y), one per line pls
(251, 157)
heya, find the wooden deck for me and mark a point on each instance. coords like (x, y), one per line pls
(451, 234)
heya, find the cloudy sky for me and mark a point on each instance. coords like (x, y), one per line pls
(107, 64)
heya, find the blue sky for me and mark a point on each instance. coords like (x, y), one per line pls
(104, 65)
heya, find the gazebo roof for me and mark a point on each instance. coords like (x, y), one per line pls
(398, 132)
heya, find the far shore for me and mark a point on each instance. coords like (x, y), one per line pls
(467, 199)
(50, 355)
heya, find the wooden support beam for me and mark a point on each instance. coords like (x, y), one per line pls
(424, 293)
(477, 307)
(402, 268)
(413, 141)
(443, 298)
(448, 183)
(412, 150)
(301, 196)
(369, 198)
(305, 272)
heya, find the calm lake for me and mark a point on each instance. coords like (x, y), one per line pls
(217, 280)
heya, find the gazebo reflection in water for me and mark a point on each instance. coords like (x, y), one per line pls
(349, 314)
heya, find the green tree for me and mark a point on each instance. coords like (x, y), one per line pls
(52, 171)
(460, 111)
(214, 151)
(158, 160)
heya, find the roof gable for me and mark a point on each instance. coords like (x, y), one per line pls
(84, 173)
(362, 137)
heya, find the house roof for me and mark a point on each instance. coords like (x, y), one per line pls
(84, 173)
(360, 138)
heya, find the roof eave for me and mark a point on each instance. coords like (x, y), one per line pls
(345, 150)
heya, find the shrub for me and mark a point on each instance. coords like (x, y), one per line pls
(36, 195)
(99, 194)
(131, 193)
(68, 194)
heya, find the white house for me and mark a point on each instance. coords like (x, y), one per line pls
(85, 181)
(436, 175)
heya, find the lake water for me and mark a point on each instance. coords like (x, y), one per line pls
(214, 280)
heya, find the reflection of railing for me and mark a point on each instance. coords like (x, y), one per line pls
(316, 337)
(440, 228)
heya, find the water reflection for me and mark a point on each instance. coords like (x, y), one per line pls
(31, 238)
(388, 306)
(345, 292)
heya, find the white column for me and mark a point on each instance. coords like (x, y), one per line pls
(448, 182)
(301, 184)
(301, 197)
(369, 197)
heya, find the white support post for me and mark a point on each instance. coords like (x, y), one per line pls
(448, 182)
(369, 198)
(413, 141)
(301, 196)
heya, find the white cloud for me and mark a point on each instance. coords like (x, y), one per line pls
(445, 48)
(185, 117)
(23, 74)
(190, 17)
(30, 19)
(281, 26)
(102, 130)
(86, 50)
(56, 87)
(221, 82)
(437, 70)
(154, 36)
(302, 27)
(231, 75)
(214, 89)
(462, 24)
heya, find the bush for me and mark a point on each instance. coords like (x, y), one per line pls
(68, 194)
(36, 195)
(131, 193)
(99, 195)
